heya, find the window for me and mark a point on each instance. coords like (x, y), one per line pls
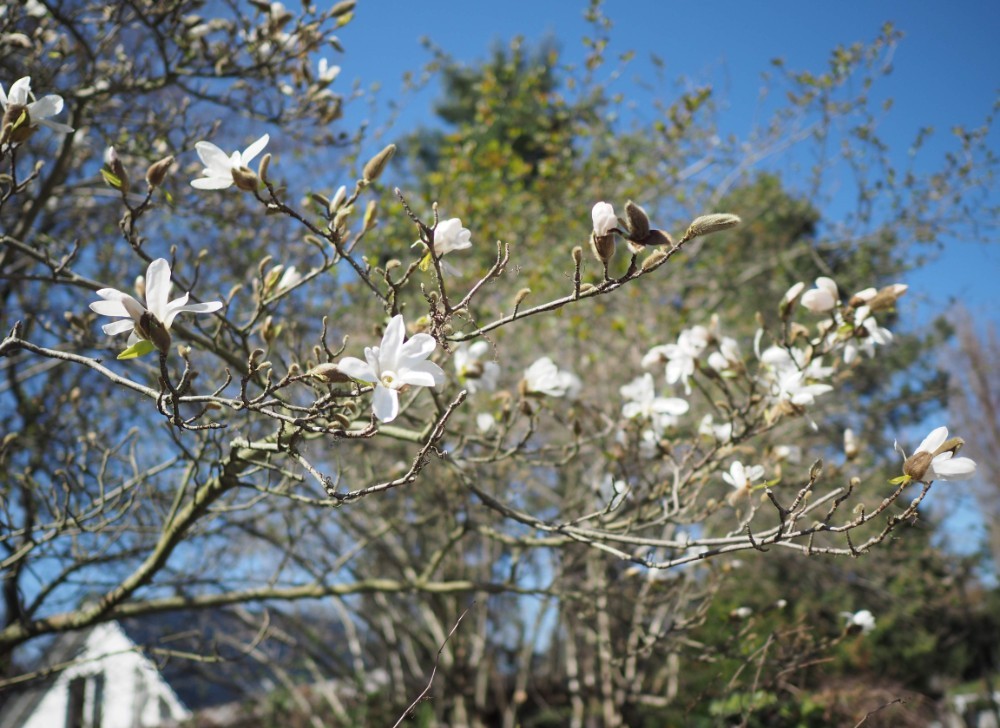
(85, 701)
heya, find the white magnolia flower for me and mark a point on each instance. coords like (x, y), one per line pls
(741, 613)
(641, 401)
(20, 100)
(544, 377)
(485, 422)
(934, 459)
(742, 477)
(722, 433)
(604, 219)
(790, 380)
(473, 368)
(823, 297)
(157, 290)
(219, 167)
(862, 621)
(325, 72)
(727, 357)
(290, 278)
(449, 235)
(867, 333)
(393, 366)
(680, 357)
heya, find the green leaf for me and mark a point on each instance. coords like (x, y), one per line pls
(901, 479)
(111, 178)
(139, 348)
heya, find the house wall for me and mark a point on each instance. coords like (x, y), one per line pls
(134, 693)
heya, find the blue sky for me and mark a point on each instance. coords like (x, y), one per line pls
(946, 71)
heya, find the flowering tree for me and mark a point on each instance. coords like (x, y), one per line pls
(557, 431)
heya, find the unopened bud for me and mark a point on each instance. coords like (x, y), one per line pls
(577, 254)
(265, 162)
(338, 199)
(603, 247)
(653, 260)
(816, 470)
(788, 301)
(886, 297)
(342, 8)
(520, 296)
(708, 224)
(371, 214)
(329, 373)
(157, 172)
(246, 179)
(376, 165)
(115, 174)
(851, 447)
(636, 222)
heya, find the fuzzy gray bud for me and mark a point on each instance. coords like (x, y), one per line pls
(157, 171)
(376, 165)
(708, 224)
(636, 222)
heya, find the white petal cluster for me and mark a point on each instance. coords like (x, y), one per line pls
(39, 111)
(788, 378)
(680, 357)
(861, 621)
(722, 433)
(393, 366)
(474, 369)
(823, 297)
(544, 377)
(157, 284)
(604, 218)
(641, 401)
(944, 465)
(219, 166)
(449, 235)
(741, 476)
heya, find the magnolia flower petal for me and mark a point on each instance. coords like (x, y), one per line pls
(207, 307)
(56, 126)
(118, 327)
(670, 406)
(421, 374)
(934, 440)
(952, 468)
(254, 149)
(19, 91)
(357, 369)
(158, 288)
(211, 156)
(385, 403)
(46, 106)
(420, 346)
(109, 308)
(212, 183)
(392, 343)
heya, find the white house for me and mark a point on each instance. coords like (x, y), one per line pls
(109, 683)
